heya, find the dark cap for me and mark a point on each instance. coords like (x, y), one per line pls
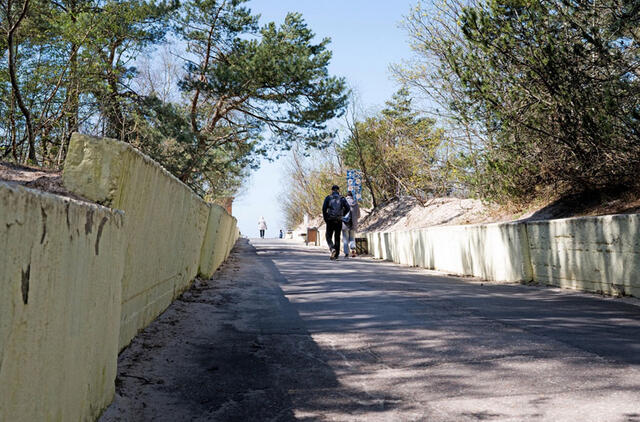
(335, 188)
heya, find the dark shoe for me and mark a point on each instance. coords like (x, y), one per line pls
(334, 254)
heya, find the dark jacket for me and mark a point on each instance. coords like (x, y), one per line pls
(325, 205)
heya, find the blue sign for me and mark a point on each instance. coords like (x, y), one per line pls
(354, 183)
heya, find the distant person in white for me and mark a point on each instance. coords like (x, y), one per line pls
(262, 226)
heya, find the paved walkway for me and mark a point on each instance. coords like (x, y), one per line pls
(281, 334)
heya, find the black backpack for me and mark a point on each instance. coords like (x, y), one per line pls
(334, 210)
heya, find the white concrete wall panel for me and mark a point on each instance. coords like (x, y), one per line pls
(496, 252)
(597, 254)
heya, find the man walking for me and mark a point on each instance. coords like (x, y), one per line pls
(333, 209)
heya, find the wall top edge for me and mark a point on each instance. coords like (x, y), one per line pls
(145, 158)
(608, 217)
(630, 216)
(150, 161)
(18, 188)
(448, 227)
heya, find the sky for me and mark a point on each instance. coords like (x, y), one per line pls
(365, 40)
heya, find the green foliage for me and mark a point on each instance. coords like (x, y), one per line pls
(398, 152)
(568, 96)
(246, 81)
(547, 91)
(74, 66)
(72, 63)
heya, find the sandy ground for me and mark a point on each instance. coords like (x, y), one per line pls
(406, 213)
(36, 178)
(283, 334)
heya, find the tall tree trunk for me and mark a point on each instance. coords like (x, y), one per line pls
(73, 106)
(44, 148)
(12, 128)
(112, 111)
(114, 114)
(12, 50)
(73, 91)
(363, 164)
(185, 174)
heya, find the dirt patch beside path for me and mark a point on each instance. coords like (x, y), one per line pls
(406, 213)
(45, 180)
(229, 349)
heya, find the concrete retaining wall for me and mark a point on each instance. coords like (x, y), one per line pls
(595, 254)
(168, 224)
(497, 252)
(221, 235)
(80, 280)
(61, 266)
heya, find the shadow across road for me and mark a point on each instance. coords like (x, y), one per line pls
(473, 350)
(231, 348)
(281, 333)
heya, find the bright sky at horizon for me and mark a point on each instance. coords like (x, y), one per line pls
(366, 39)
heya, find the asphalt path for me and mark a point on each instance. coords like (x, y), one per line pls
(281, 333)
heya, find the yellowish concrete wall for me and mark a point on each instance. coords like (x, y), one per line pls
(234, 234)
(497, 252)
(226, 237)
(221, 236)
(596, 254)
(321, 240)
(167, 223)
(208, 264)
(79, 280)
(62, 262)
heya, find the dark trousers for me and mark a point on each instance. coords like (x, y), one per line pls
(262, 233)
(333, 231)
